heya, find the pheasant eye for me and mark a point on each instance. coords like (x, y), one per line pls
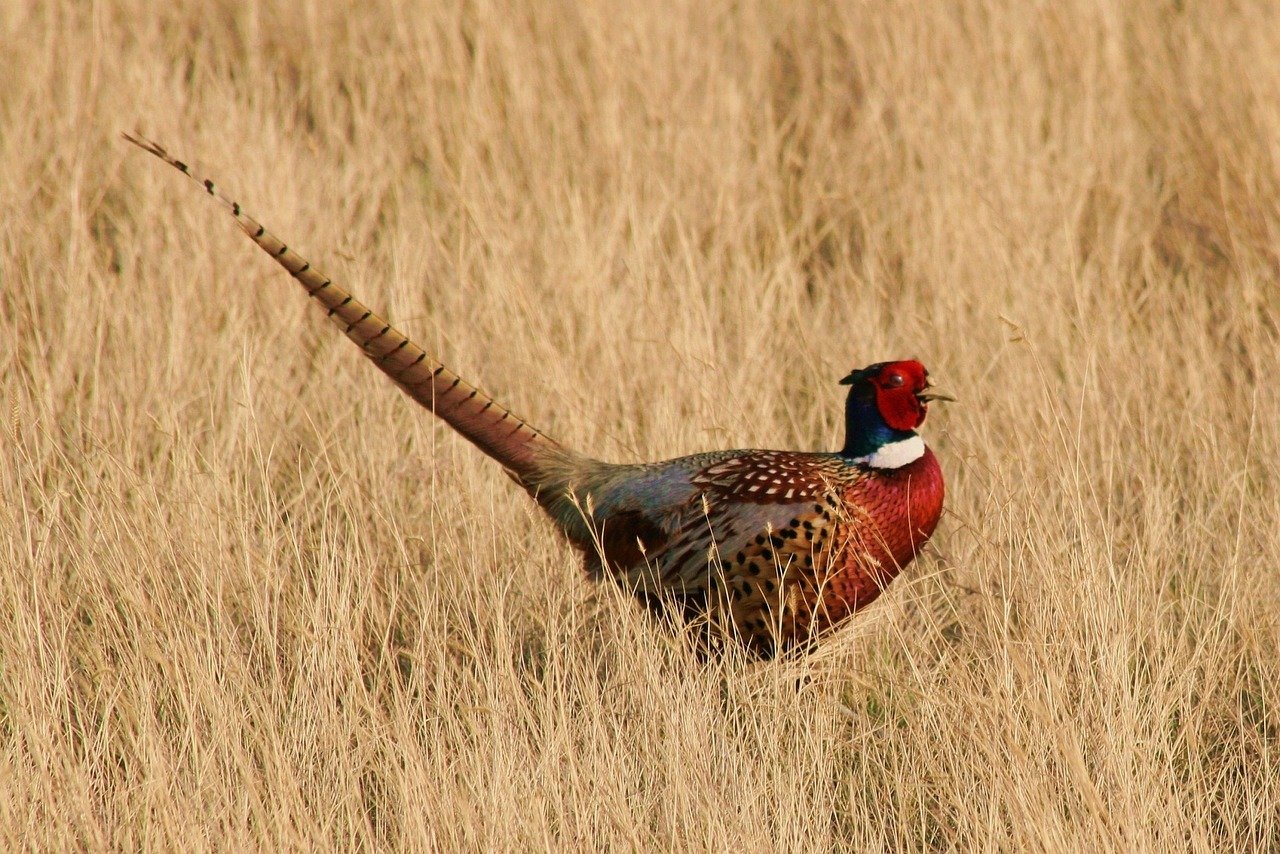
(894, 381)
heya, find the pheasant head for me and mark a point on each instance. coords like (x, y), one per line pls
(887, 403)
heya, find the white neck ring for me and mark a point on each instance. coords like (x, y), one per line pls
(894, 455)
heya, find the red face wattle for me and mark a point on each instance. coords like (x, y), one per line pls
(898, 388)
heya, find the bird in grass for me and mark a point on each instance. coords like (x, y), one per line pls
(768, 549)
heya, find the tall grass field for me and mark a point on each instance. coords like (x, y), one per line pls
(253, 598)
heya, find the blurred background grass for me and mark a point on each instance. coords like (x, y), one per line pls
(257, 599)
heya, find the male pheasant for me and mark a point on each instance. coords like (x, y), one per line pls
(770, 548)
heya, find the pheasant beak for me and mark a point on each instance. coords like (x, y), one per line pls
(930, 396)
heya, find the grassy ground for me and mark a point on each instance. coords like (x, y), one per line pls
(255, 598)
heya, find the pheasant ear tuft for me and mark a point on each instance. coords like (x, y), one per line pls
(861, 374)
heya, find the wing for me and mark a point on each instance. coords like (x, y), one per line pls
(754, 545)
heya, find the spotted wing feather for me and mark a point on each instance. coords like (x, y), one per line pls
(753, 546)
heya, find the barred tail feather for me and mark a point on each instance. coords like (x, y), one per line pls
(494, 429)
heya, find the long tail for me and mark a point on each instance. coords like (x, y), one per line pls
(523, 450)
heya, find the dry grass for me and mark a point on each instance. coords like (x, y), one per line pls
(254, 598)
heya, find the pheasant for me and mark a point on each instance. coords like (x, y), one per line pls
(769, 549)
